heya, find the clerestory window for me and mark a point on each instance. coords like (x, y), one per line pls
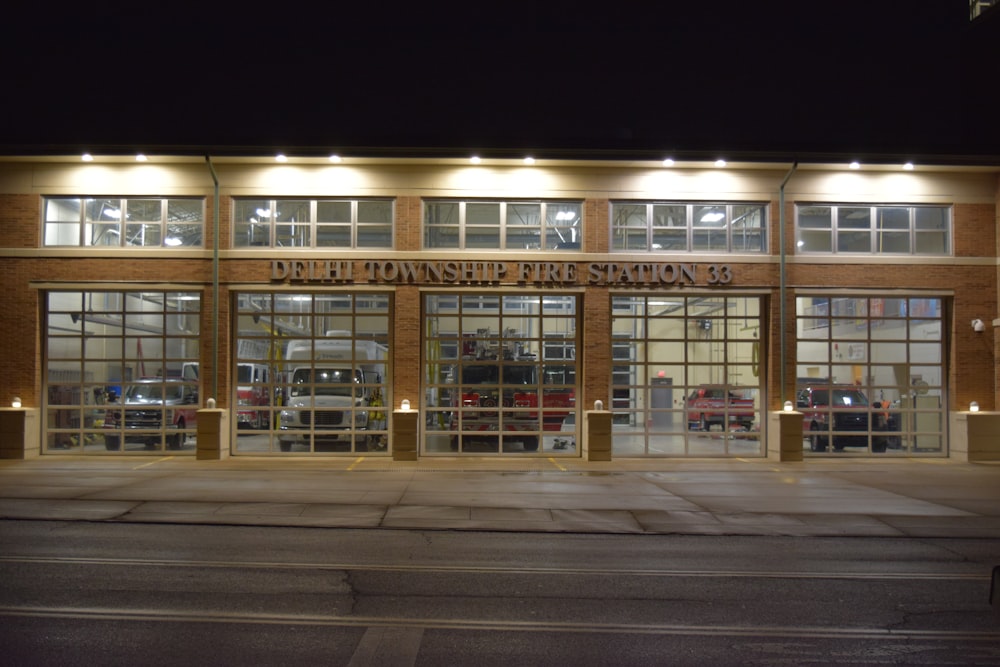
(155, 222)
(503, 225)
(688, 227)
(312, 223)
(873, 230)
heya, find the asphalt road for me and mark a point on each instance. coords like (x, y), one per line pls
(78, 593)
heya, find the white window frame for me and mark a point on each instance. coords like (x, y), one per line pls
(260, 232)
(573, 227)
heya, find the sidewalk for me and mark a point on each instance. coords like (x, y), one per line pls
(820, 497)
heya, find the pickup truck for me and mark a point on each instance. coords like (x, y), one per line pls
(716, 404)
(150, 408)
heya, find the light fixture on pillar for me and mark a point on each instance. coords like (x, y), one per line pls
(16, 403)
(405, 405)
(789, 406)
(974, 407)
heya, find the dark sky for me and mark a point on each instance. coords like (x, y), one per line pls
(772, 76)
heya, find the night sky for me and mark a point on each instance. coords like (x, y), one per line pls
(755, 77)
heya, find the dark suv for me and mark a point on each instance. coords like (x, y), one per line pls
(837, 412)
(149, 408)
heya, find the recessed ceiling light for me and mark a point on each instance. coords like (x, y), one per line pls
(669, 162)
(529, 160)
(335, 158)
(855, 165)
(140, 158)
(87, 157)
(280, 158)
(475, 159)
(720, 163)
(908, 166)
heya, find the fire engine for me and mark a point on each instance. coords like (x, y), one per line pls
(499, 391)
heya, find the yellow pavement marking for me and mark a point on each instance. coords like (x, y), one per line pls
(166, 458)
(553, 462)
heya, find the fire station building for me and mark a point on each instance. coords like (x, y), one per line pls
(419, 307)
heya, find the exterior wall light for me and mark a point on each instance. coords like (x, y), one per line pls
(789, 406)
(16, 403)
(974, 407)
(404, 405)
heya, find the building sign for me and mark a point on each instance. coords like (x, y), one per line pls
(497, 273)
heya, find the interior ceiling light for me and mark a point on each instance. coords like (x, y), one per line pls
(908, 166)
(669, 162)
(280, 158)
(720, 163)
(529, 160)
(140, 158)
(855, 165)
(713, 216)
(335, 158)
(87, 157)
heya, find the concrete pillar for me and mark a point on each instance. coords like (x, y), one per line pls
(404, 435)
(19, 435)
(597, 435)
(213, 435)
(784, 436)
(975, 436)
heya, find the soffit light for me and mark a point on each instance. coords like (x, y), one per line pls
(669, 162)
(335, 158)
(720, 163)
(529, 160)
(280, 158)
(87, 157)
(908, 166)
(855, 165)
(475, 159)
(140, 158)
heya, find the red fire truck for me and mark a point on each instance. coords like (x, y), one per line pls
(499, 390)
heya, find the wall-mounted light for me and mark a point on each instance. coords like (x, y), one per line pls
(973, 407)
(16, 403)
(978, 325)
(789, 406)
(404, 405)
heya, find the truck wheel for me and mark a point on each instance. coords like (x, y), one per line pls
(112, 443)
(703, 424)
(531, 443)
